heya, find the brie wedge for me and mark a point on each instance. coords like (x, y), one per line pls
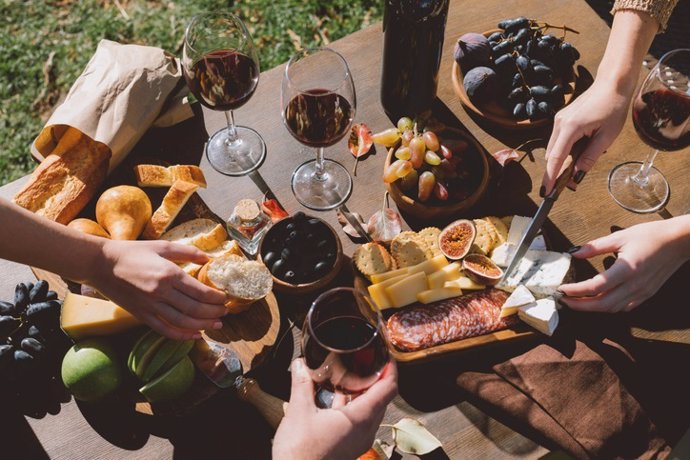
(542, 315)
(519, 298)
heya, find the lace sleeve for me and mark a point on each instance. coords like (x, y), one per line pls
(658, 9)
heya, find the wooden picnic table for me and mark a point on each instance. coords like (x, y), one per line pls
(228, 428)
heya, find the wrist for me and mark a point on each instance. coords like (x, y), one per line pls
(679, 228)
(93, 260)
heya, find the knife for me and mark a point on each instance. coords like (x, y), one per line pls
(543, 212)
(222, 367)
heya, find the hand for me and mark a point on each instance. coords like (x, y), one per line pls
(599, 113)
(141, 276)
(308, 432)
(648, 254)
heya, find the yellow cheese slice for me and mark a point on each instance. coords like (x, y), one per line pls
(378, 291)
(464, 283)
(86, 317)
(380, 277)
(434, 295)
(429, 266)
(405, 291)
(448, 273)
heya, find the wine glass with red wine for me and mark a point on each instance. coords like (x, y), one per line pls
(222, 70)
(661, 115)
(342, 343)
(318, 104)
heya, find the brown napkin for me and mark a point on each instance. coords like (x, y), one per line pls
(575, 402)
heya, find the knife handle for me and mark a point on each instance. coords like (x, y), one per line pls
(270, 407)
(568, 167)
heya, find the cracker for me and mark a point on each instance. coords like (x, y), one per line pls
(501, 228)
(409, 249)
(429, 236)
(507, 220)
(372, 258)
(486, 239)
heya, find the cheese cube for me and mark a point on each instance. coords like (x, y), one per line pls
(378, 291)
(448, 273)
(519, 298)
(405, 292)
(379, 277)
(541, 315)
(87, 317)
(434, 295)
(464, 283)
(518, 227)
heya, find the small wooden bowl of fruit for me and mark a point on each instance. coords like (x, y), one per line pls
(432, 178)
(303, 253)
(515, 76)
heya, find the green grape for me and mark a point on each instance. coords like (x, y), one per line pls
(409, 182)
(431, 158)
(396, 170)
(403, 153)
(417, 149)
(431, 141)
(387, 138)
(404, 124)
(427, 181)
(404, 168)
(407, 137)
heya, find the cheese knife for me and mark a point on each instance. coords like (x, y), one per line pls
(539, 218)
(222, 367)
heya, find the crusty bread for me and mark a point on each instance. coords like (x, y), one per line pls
(227, 247)
(67, 178)
(205, 234)
(88, 226)
(243, 281)
(161, 176)
(172, 204)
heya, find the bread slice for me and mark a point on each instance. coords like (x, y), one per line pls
(67, 178)
(243, 281)
(161, 176)
(205, 234)
(228, 247)
(172, 204)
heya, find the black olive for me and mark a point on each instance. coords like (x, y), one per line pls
(330, 257)
(286, 254)
(322, 245)
(270, 258)
(290, 276)
(38, 292)
(299, 216)
(291, 227)
(322, 267)
(278, 268)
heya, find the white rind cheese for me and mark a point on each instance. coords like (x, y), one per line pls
(541, 315)
(519, 298)
(503, 253)
(542, 272)
(518, 227)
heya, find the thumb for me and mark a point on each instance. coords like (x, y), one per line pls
(181, 253)
(302, 390)
(603, 245)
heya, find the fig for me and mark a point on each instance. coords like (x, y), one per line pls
(456, 239)
(480, 269)
(472, 50)
(480, 84)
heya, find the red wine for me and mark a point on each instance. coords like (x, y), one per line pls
(355, 366)
(412, 45)
(662, 119)
(223, 79)
(318, 118)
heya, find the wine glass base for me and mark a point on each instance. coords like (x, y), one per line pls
(634, 197)
(329, 191)
(237, 158)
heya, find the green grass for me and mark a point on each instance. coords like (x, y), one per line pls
(32, 84)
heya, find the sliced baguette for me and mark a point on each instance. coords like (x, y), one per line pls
(228, 247)
(205, 234)
(172, 204)
(161, 176)
(243, 281)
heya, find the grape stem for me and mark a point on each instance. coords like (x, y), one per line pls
(545, 26)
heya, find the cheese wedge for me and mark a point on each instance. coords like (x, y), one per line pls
(86, 317)
(405, 291)
(429, 266)
(434, 295)
(518, 227)
(542, 272)
(378, 291)
(464, 283)
(450, 272)
(380, 277)
(541, 315)
(502, 254)
(519, 298)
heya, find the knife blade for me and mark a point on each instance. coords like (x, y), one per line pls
(352, 220)
(542, 213)
(222, 367)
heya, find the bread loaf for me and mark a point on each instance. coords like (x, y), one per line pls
(161, 176)
(243, 281)
(227, 247)
(205, 234)
(67, 178)
(172, 204)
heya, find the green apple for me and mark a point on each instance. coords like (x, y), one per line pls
(90, 370)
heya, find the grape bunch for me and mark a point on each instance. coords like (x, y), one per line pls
(424, 168)
(523, 69)
(31, 341)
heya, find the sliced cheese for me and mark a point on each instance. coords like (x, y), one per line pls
(450, 272)
(518, 227)
(380, 277)
(542, 272)
(464, 283)
(86, 317)
(434, 295)
(405, 292)
(541, 315)
(429, 266)
(519, 298)
(378, 291)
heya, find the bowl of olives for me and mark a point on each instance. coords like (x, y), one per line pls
(518, 75)
(302, 252)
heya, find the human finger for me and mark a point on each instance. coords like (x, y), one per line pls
(611, 301)
(341, 400)
(302, 389)
(603, 245)
(178, 319)
(556, 157)
(375, 400)
(165, 329)
(198, 291)
(182, 253)
(598, 284)
(193, 308)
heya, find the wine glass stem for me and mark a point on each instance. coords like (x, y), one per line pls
(232, 131)
(319, 174)
(642, 176)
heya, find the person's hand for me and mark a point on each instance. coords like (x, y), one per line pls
(141, 277)
(598, 113)
(346, 432)
(648, 254)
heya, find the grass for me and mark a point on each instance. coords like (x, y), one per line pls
(46, 44)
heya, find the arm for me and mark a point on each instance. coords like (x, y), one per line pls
(140, 276)
(599, 113)
(643, 265)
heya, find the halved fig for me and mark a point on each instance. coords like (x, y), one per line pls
(481, 269)
(456, 239)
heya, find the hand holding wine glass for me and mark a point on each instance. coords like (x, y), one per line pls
(222, 70)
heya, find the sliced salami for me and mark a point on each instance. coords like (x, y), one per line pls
(449, 320)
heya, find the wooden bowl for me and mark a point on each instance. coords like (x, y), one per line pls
(304, 288)
(494, 112)
(452, 209)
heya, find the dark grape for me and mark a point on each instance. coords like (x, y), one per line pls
(501, 49)
(536, 62)
(33, 346)
(38, 292)
(520, 49)
(539, 92)
(505, 64)
(51, 295)
(529, 48)
(541, 75)
(546, 108)
(496, 37)
(522, 36)
(518, 94)
(21, 298)
(531, 109)
(550, 39)
(512, 25)
(7, 325)
(570, 51)
(522, 62)
(34, 332)
(6, 308)
(520, 111)
(42, 310)
(517, 80)
(6, 354)
(557, 96)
